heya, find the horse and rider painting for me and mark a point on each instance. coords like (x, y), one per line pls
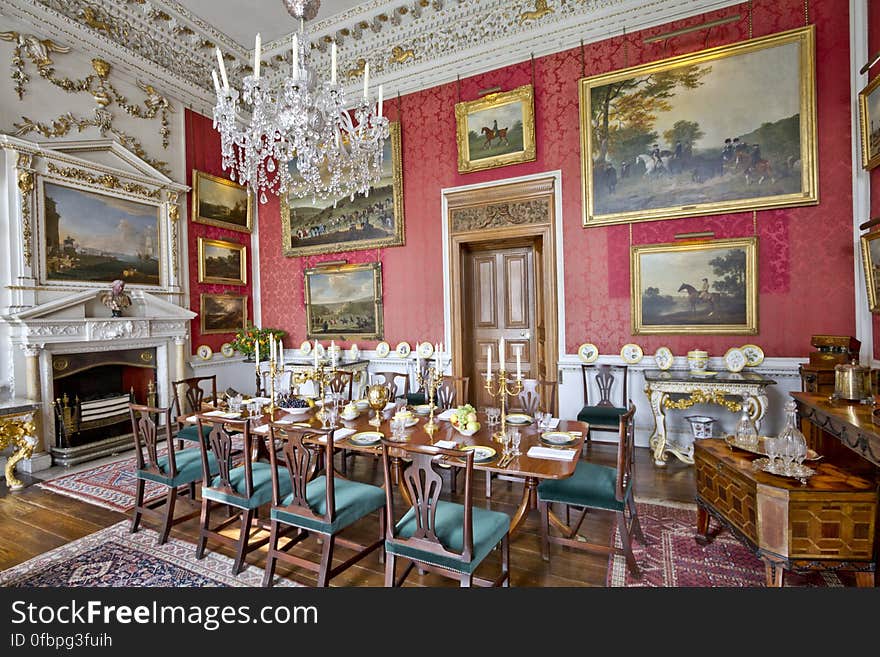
(698, 287)
(721, 130)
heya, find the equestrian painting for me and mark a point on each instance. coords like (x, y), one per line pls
(726, 129)
(496, 130)
(697, 287)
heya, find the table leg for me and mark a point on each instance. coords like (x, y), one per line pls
(658, 438)
(561, 526)
(529, 501)
(395, 476)
(18, 433)
(702, 536)
(773, 572)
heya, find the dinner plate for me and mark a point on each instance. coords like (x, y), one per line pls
(557, 437)
(754, 354)
(519, 418)
(481, 453)
(402, 349)
(366, 437)
(735, 359)
(425, 349)
(362, 404)
(305, 347)
(422, 409)
(383, 349)
(588, 352)
(411, 422)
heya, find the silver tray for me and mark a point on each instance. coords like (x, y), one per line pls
(812, 455)
(801, 472)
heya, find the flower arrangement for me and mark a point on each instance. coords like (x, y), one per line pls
(246, 340)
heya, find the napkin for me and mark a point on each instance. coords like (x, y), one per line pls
(389, 406)
(192, 418)
(338, 435)
(445, 415)
(227, 415)
(538, 452)
(446, 444)
(263, 428)
(554, 422)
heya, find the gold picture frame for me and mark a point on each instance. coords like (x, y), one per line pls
(213, 269)
(722, 151)
(668, 296)
(361, 223)
(871, 261)
(218, 202)
(477, 121)
(870, 140)
(222, 313)
(361, 302)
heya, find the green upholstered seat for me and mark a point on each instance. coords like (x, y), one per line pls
(416, 398)
(189, 467)
(191, 432)
(489, 527)
(601, 416)
(262, 476)
(354, 500)
(591, 485)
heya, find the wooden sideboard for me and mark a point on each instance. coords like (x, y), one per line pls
(829, 523)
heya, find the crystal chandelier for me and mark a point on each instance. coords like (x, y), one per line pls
(300, 138)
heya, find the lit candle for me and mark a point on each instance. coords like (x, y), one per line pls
(333, 62)
(501, 354)
(216, 82)
(257, 57)
(366, 78)
(488, 362)
(295, 49)
(379, 113)
(518, 368)
(222, 70)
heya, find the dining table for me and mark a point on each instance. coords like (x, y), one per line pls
(557, 462)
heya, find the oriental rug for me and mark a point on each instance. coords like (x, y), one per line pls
(113, 557)
(673, 558)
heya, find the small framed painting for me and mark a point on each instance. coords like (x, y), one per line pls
(699, 287)
(496, 130)
(223, 313)
(344, 301)
(871, 260)
(220, 202)
(222, 262)
(869, 119)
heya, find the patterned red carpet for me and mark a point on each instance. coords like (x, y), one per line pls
(673, 558)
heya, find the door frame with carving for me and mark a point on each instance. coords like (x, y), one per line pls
(488, 204)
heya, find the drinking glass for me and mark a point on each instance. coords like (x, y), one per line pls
(332, 414)
(515, 438)
(398, 427)
(505, 444)
(543, 420)
(492, 415)
(771, 447)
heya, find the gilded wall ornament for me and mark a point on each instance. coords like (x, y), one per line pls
(536, 211)
(541, 10)
(399, 55)
(26, 186)
(35, 49)
(104, 180)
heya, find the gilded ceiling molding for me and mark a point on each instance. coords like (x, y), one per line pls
(109, 182)
(541, 10)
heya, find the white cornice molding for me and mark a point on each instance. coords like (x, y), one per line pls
(162, 41)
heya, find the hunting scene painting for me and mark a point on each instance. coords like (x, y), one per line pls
(310, 226)
(344, 301)
(97, 238)
(705, 287)
(496, 130)
(725, 129)
(220, 202)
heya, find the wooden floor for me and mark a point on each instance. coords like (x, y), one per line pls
(33, 521)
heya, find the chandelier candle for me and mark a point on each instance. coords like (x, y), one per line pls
(257, 57)
(222, 71)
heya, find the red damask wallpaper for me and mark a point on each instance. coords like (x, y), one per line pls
(203, 153)
(805, 254)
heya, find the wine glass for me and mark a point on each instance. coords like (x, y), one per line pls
(771, 448)
(377, 397)
(398, 426)
(515, 438)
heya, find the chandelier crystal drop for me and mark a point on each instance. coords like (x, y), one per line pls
(301, 138)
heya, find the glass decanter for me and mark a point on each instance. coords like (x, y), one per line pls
(746, 433)
(791, 440)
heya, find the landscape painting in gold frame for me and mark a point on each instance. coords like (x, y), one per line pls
(871, 261)
(220, 202)
(222, 313)
(222, 262)
(869, 121)
(496, 130)
(344, 302)
(707, 287)
(726, 129)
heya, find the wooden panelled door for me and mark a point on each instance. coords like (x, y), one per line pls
(499, 301)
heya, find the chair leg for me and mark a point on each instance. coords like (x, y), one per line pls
(169, 515)
(247, 516)
(192, 490)
(466, 581)
(203, 528)
(488, 485)
(269, 575)
(636, 525)
(326, 560)
(505, 559)
(626, 540)
(382, 534)
(544, 512)
(138, 504)
(390, 563)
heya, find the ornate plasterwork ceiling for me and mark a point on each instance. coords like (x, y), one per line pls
(410, 44)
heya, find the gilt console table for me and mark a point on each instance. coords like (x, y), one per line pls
(679, 389)
(17, 431)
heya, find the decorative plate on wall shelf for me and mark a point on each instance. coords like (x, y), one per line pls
(735, 359)
(425, 350)
(588, 352)
(204, 352)
(383, 349)
(227, 350)
(631, 353)
(664, 358)
(354, 351)
(320, 349)
(754, 354)
(402, 349)
(305, 347)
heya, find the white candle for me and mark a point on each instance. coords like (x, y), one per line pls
(333, 352)
(272, 357)
(281, 353)
(216, 82)
(257, 56)
(333, 62)
(316, 354)
(501, 353)
(488, 362)
(257, 351)
(518, 368)
(295, 48)
(222, 70)
(379, 113)
(366, 78)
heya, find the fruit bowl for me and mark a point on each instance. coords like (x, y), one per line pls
(466, 432)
